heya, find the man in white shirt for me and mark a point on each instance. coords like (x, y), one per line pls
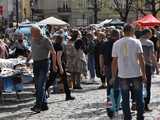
(128, 60)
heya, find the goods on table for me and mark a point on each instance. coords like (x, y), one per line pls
(14, 72)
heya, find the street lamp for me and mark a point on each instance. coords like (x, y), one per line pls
(17, 13)
(32, 8)
(95, 6)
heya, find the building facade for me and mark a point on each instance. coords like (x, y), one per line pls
(75, 12)
(25, 9)
(80, 12)
(7, 7)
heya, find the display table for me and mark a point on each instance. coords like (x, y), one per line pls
(13, 74)
(10, 81)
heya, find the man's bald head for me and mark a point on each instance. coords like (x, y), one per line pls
(36, 31)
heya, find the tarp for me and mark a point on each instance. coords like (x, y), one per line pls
(53, 21)
(106, 21)
(148, 20)
(115, 22)
(25, 22)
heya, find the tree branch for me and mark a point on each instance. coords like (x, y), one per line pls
(123, 7)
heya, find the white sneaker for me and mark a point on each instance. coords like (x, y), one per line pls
(93, 80)
(116, 114)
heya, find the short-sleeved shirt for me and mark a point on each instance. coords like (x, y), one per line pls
(148, 49)
(106, 51)
(40, 48)
(127, 50)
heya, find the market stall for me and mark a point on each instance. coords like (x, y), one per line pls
(106, 21)
(147, 21)
(14, 73)
(114, 22)
(53, 21)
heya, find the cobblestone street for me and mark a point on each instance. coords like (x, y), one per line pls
(89, 105)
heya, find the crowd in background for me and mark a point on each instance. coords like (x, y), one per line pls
(83, 50)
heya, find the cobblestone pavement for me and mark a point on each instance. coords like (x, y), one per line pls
(89, 105)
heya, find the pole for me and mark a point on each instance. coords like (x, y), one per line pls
(32, 8)
(17, 13)
(95, 11)
(137, 9)
(83, 16)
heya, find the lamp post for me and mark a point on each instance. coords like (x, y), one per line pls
(94, 6)
(83, 16)
(137, 12)
(32, 8)
(95, 11)
(17, 15)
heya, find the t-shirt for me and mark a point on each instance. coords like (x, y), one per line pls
(148, 49)
(106, 51)
(127, 50)
(91, 47)
(40, 48)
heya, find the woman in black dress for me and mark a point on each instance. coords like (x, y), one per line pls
(60, 62)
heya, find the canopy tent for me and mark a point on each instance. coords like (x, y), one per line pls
(25, 22)
(115, 22)
(148, 21)
(52, 21)
(106, 21)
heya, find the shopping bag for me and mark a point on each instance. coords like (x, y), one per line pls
(110, 106)
(113, 102)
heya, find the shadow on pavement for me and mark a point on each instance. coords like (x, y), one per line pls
(14, 108)
(60, 101)
(156, 82)
(89, 114)
(89, 111)
(90, 83)
(155, 103)
(94, 105)
(18, 116)
(11, 102)
(85, 90)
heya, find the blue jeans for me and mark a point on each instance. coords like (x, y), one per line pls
(40, 70)
(91, 65)
(115, 86)
(148, 83)
(108, 75)
(138, 96)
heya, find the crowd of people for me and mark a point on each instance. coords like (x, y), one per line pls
(123, 58)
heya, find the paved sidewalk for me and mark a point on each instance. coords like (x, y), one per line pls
(89, 105)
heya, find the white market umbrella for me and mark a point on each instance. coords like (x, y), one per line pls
(53, 21)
